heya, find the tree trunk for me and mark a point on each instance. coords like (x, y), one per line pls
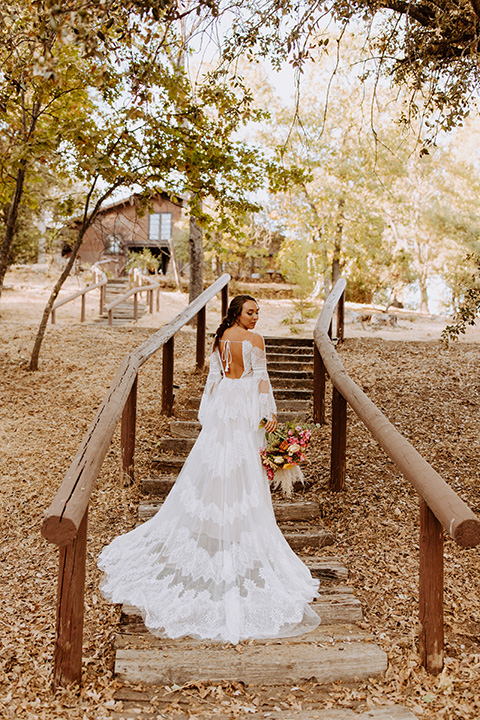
(11, 223)
(87, 221)
(196, 260)
(337, 246)
(423, 297)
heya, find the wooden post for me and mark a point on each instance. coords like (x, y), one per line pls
(110, 318)
(70, 594)
(53, 316)
(431, 638)
(167, 378)
(150, 301)
(224, 300)
(339, 441)
(158, 299)
(127, 437)
(82, 312)
(102, 299)
(201, 329)
(341, 319)
(319, 377)
(135, 306)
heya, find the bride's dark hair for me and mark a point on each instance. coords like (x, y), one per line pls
(233, 312)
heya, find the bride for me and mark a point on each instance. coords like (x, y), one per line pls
(212, 563)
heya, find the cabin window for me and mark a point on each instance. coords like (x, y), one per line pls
(160, 227)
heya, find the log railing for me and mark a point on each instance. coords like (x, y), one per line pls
(65, 523)
(82, 293)
(441, 509)
(149, 289)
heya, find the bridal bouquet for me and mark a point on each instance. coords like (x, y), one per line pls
(285, 450)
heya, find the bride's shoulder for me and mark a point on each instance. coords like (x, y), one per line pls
(257, 340)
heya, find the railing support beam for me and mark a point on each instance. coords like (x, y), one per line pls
(127, 436)
(431, 638)
(341, 319)
(339, 441)
(70, 594)
(201, 332)
(167, 378)
(319, 378)
(224, 300)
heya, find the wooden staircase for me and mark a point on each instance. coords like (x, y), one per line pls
(338, 650)
(123, 312)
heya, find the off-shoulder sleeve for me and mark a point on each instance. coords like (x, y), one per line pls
(214, 377)
(268, 407)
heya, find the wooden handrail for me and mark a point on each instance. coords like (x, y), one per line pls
(81, 293)
(134, 291)
(65, 522)
(65, 514)
(440, 504)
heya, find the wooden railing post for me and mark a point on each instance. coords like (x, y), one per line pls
(110, 318)
(70, 594)
(150, 301)
(52, 315)
(431, 638)
(339, 441)
(319, 377)
(135, 306)
(201, 331)
(158, 299)
(224, 300)
(103, 293)
(82, 312)
(127, 437)
(341, 318)
(167, 378)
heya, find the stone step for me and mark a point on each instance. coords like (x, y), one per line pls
(279, 663)
(284, 511)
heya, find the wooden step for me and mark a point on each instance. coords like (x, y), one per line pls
(169, 465)
(278, 663)
(129, 637)
(294, 394)
(332, 609)
(294, 368)
(158, 486)
(132, 710)
(190, 414)
(284, 511)
(302, 357)
(286, 382)
(289, 342)
(177, 445)
(185, 428)
(315, 538)
(290, 405)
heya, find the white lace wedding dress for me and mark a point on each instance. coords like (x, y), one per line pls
(212, 563)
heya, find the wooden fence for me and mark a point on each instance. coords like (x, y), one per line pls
(81, 293)
(148, 289)
(440, 507)
(65, 523)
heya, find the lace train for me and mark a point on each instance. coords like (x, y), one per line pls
(212, 563)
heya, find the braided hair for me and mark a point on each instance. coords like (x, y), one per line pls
(233, 312)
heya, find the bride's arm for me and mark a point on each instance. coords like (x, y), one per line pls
(214, 377)
(268, 407)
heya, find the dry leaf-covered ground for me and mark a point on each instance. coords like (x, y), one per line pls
(430, 392)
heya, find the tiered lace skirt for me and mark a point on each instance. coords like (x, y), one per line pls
(212, 563)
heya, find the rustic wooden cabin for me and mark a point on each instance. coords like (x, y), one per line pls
(125, 226)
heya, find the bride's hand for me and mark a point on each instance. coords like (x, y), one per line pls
(271, 425)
